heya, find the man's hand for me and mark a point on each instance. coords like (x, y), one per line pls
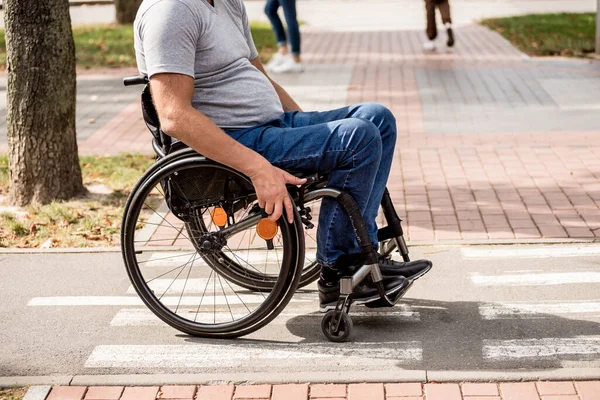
(272, 194)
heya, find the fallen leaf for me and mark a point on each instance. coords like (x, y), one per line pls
(95, 237)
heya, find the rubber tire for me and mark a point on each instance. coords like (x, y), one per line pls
(345, 328)
(282, 291)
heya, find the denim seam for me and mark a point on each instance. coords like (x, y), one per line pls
(337, 206)
(320, 155)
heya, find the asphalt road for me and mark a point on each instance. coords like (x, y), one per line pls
(482, 308)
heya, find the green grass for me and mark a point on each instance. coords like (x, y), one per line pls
(2, 50)
(3, 173)
(85, 222)
(264, 39)
(111, 46)
(102, 46)
(565, 34)
(118, 173)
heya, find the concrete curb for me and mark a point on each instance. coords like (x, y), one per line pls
(251, 378)
(63, 250)
(563, 374)
(447, 243)
(20, 381)
(398, 376)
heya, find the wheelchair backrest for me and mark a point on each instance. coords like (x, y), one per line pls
(161, 142)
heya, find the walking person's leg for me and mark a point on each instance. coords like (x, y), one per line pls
(271, 9)
(293, 29)
(431, 25)
(444, 6)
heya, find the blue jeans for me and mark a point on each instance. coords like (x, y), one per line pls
(289, 11)
(354, 145)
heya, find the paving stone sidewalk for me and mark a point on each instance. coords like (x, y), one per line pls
(492, 145)
(392, 391)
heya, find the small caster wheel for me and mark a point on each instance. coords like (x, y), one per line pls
(344, 329)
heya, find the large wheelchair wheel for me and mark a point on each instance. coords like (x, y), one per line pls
(186, 275)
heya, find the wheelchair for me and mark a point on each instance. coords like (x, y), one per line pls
(229, 270)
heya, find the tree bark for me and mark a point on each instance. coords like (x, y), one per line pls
(42, 145)
(126, 10)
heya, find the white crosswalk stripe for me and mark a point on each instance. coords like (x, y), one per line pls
(511, 252)
(539, 279)
(191, 286)
(144, 317)
(236, 355)
(136, 301)
(172, 259)
(522, 310)
(541, 348)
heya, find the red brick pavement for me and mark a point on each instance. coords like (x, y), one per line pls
(504, 185)
(370, 391)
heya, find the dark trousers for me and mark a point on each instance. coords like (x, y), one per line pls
(444, 7)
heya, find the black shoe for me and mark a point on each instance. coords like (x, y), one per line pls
(365, 292)
(450, 41)
(411, 270)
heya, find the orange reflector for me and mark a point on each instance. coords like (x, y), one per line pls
(267, 229)
(219, 217)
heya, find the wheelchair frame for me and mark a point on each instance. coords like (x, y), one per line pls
(336, 324)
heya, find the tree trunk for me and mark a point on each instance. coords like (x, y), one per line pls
(126, 10)
(42, 145)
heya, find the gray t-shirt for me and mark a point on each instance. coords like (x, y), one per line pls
(214, 46)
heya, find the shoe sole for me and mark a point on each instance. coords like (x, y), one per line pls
(331, 306)
(420, 274)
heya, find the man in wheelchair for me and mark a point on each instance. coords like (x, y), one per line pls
(212, 93)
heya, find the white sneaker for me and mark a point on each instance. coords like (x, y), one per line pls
(288, 65)
(276, 60)
(429, 45)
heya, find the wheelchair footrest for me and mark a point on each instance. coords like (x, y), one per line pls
(394, 299)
